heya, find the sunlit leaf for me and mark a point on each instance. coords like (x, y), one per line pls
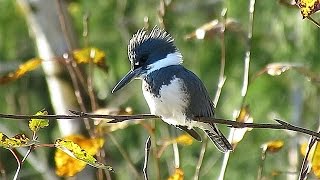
(19, 140)
(30, 65)
(36, 124)
(86, 55)
(184, 139)
(81, 150)
(308, 7)
(273, 146)
(177, 175)
(242, 116)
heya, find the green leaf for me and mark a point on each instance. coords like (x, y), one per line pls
(19, 140)
(36, 124)
(75, 151)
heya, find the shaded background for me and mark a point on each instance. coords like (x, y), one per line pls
(279, 35)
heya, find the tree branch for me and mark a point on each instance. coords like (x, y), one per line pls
(120, 118)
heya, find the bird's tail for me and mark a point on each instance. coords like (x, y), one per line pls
(218, 138)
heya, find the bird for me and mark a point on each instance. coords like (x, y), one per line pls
(172, 92)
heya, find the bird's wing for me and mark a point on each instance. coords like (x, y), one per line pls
(200, 104)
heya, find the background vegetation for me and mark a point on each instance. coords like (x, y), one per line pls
(279, 35)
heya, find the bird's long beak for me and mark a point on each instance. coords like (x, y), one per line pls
(127, 78)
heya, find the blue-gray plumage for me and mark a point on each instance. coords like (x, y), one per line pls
(171, 91)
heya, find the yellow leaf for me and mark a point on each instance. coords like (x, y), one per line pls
(96, 55)
(184, 139)
(19, 140)
(177, 175)
(273, 146)
(30, 65)
(81, 150)
(36, 124)
(308, 7)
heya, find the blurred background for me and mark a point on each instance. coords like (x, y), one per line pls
(52, 30)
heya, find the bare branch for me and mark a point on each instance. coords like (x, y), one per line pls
(120, 118)
(146, 158)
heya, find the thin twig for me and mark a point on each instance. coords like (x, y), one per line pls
(226, 157)
(63, 25)
(15, 177)
(92, 97)
(155, 152)
(248, 51)
(125, 155)
(261, 164)
(146, 158)
(200, 159)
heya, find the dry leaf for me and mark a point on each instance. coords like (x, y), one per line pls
(272, 146)
(308, 7)
(81, 150)
(30, 65)
(96, 55)
(177, 175)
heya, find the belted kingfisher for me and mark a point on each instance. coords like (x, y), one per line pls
(172, 92)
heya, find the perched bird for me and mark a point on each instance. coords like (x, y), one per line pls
(172, 92)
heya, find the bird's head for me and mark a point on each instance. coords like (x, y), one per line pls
(148, 52)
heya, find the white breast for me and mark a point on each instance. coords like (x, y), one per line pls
(172, 103)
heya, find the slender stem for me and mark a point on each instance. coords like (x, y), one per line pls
(201, 157)
(146, 158)
(85, 32)
(125, 155)
(155, 152)
(261, 165)
(15, 177)
(90, 81)
(176, 155)
(226, 157)
(63, 25)
(248, 51)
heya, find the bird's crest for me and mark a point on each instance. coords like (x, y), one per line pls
(141, 37)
